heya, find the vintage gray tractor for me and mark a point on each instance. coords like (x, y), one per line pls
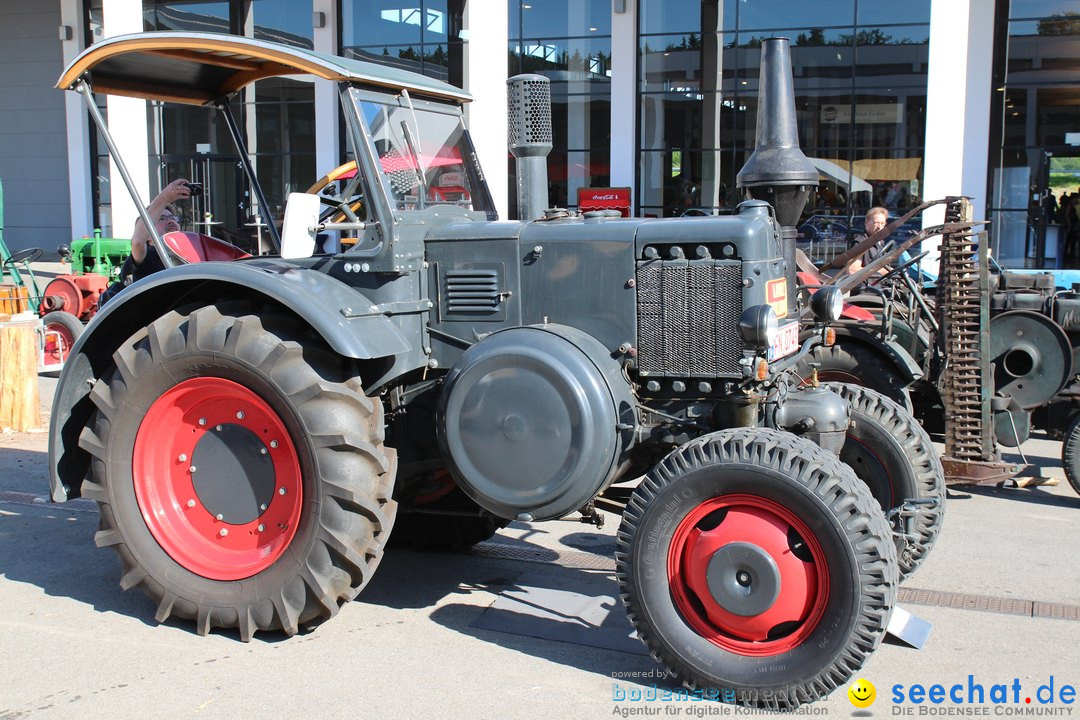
(252, 429)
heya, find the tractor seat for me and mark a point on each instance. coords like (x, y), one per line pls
(195, 247)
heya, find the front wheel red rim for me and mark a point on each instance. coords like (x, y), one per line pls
(237, 513)
(747, 574)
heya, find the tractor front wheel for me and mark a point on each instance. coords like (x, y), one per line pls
(756, 568)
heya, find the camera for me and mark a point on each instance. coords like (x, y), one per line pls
(195, 188)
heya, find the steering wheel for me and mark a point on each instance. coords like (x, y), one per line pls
(337, 202)
(901, 268)
(28, 255)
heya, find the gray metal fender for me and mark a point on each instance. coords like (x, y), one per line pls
(900, 358)
(320, 300)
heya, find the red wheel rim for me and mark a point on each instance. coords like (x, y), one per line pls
(58, 345)
(772, 532)
(171, 436)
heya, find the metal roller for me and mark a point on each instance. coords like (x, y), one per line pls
(1032, 357)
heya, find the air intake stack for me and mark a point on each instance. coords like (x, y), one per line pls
(528, 100)
(778, 172)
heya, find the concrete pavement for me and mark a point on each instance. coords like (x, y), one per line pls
(418, 642)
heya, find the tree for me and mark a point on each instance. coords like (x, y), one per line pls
(1065, 23)
(815, 38)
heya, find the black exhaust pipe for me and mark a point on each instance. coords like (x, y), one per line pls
(778, 172)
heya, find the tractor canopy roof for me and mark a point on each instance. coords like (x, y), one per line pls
(199, 68)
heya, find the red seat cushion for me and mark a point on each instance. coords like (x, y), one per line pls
(195, 247)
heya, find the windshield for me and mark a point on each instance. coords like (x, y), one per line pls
(427, 156)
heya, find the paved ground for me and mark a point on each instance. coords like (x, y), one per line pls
(419, 641)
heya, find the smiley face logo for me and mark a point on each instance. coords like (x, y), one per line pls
(862, 693)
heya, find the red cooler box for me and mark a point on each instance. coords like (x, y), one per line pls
(609, 198)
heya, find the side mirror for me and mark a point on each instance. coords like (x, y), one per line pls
(298, 231)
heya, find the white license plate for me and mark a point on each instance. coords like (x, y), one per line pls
(786, 343)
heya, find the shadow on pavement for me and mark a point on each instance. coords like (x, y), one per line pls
(52, 547)
(546, 611)
(1034, 495)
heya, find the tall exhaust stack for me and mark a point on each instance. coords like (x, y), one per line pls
(778, 172)
(528, 100)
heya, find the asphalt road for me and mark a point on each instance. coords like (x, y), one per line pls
(528, 627)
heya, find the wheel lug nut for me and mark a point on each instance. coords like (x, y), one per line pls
(240, 415)
(262, 451)
(263, 506)
(182, 458)
(281, 491)
(192, 468)
(219, 516)
(218, 428)
(261, 527)
(273, 443)
(191, 503)
(223, 532)
(202, 421)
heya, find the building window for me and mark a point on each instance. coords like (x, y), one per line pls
(277, 116)
(423, 36)
(859, 69)
(569, 42)
(1034, 199)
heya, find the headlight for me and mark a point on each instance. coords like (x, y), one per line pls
(759, 327)
(827, 304)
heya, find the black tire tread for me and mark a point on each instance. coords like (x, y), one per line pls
(925, 461)
(1070, 454)
(835, 485)
(356, 470)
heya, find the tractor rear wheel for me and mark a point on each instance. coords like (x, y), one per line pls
(891, 453)
(239, 471)
(756, 568)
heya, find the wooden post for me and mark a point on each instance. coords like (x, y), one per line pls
(19, 404)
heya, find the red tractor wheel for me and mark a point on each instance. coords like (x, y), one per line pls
(753, 560)
(62, 329)
(241, 477)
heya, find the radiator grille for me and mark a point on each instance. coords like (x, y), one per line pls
(688, 314)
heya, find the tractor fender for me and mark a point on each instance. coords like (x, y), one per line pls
(889, 349)
(332, 308)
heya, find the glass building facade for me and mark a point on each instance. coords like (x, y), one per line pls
(194, 143)
(860, 72)
(1034, 183)
(569, 42)
(422, 36)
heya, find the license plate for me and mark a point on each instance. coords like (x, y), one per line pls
(786, 343)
